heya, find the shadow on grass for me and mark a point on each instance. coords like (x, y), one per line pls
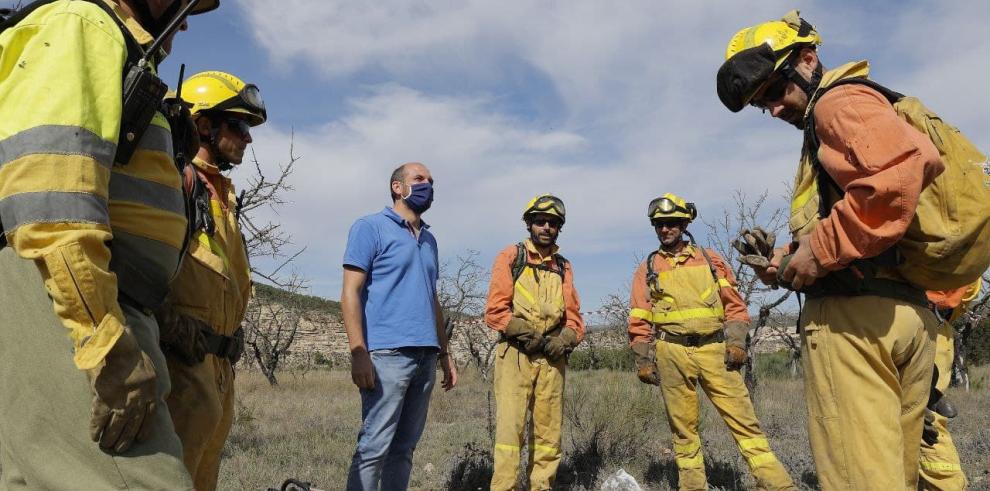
(724, 475)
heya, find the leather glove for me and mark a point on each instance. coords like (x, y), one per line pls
(930, 433)
(182, 335)
(646, 363)
(525, 336)
(735, 344)
(560, 345)
(124, 396)
(755, 247)
(945, 407)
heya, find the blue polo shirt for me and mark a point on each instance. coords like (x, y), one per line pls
(402, 280)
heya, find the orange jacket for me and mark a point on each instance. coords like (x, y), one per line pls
(501, 289)
(641, 331)
(881, 162)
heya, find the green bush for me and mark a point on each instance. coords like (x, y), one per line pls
(977, 343)
(774, 365)
(620, 359)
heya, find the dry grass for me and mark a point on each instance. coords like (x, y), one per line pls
(307, 428)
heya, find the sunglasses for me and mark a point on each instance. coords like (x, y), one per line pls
(772, 92)
(668, 223)
(238, 126)
(543, 221)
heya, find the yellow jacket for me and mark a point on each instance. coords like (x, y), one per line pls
(214, 282)
(62, 201)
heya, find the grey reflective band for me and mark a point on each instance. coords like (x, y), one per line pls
(156, 138)
(57, 140)
(52, 207)
(127, 188)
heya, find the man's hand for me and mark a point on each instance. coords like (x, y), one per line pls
(181, 335)
(735, 344)
(449, 372)
(362, 370)
(646, 363)
(803, 268)
(525, 336)
(929, 434)
(735, 358)
(125, 390)
(561, 345)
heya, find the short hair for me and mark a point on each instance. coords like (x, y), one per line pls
(399, 174)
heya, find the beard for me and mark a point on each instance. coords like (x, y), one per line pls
(543, 239)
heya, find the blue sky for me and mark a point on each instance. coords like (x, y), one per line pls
(606, 104)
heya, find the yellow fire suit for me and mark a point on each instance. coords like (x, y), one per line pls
(213, 286)
(547, 300)
(92, 245)
(867, 354)
(940, 466)
(682, 313)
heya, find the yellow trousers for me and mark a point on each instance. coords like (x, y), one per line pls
(202, 407)
(940, 466)
(534, 384)
(682, 370)
(868, 367)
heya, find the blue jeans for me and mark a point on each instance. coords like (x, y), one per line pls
(393, 415)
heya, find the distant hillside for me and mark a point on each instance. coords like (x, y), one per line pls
(309, 303)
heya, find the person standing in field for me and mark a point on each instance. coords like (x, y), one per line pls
(687, 328)
(394, 329)
(533, 305)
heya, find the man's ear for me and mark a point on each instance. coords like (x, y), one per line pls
(203, 126)
(808, 55)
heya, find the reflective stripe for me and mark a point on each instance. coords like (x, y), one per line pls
(156, 138)
(644, 314)
(506, 448)
(687, 447)
(529, 296)
(691, 463)
(687, 314)
(135, 190)
(761, 459)
(52, 207)
(751, 443)
(546, 449)
(56, 140)
(214, 246)
(940, 466)
(724, 283)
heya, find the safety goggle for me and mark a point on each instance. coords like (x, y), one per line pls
(666, 206)
(774, 91)
(546, 204)
(248, 98)
(239, 126)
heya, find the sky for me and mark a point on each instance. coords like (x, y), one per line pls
(604, 104)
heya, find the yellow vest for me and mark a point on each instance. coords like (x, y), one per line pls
(685, 298)
(538, 295)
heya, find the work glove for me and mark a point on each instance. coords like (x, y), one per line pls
(525, 337)
(125, 392)
(646, 363)
(755, 247)
(735, 344)
(560, 345)
(930, 433)
(945, 407)
(182, 335)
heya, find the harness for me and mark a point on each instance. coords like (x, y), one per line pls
(520, 264)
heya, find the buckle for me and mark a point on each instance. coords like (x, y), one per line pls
(692, 340)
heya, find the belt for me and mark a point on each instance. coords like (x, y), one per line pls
(229, 347)
(692, 340)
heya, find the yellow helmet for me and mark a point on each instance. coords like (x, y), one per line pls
(546, 204)
(214, 91)
(670, 206)
(755, 53)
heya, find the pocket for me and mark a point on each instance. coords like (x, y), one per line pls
(202, 250)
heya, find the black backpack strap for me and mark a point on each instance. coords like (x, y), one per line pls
(520, 262)
(652, 277)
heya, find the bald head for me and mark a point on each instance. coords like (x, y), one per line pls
(406, 175)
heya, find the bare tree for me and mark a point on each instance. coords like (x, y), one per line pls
(978, 312)
(745, 213)
(461, 291)
(270, 327)
(271, 322)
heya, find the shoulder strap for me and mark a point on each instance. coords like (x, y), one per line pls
(652, 278)
(520, 263)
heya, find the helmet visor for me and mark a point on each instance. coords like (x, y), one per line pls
(248, 98)
(742, 76)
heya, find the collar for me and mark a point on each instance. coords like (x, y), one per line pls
(389, 212)
(140, 34)
(531, 248)
(683, 255)
(852, 69)
(205, 166)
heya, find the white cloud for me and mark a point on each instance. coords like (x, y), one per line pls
(635, 112)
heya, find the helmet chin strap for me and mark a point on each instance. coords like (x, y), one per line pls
(219, 160)
(808, 86)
